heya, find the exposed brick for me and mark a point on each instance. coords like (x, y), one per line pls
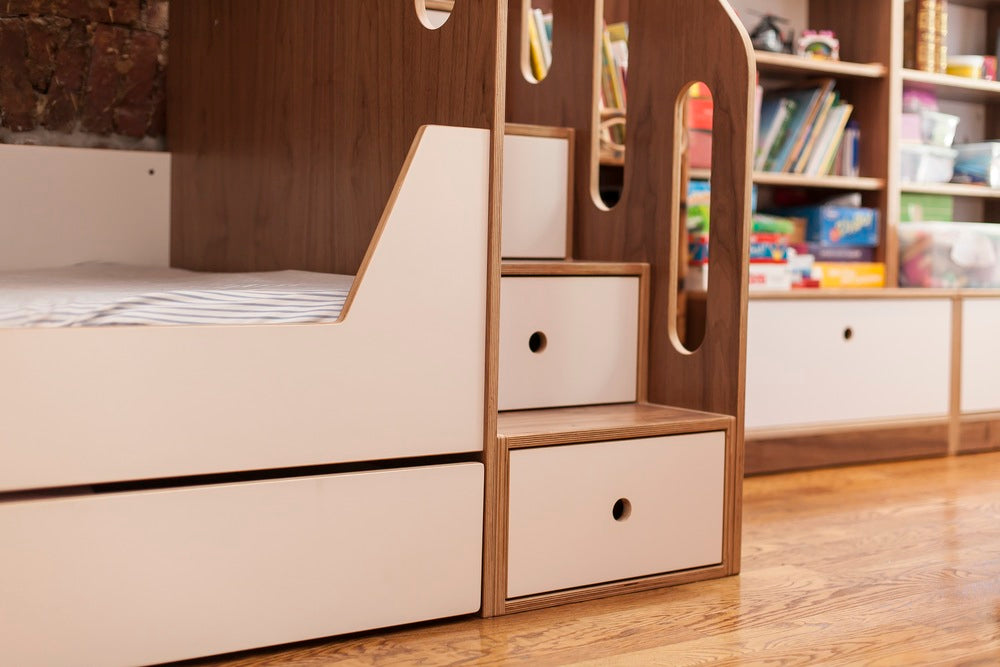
(44, 38)
(18, 101)
(122, 12)
(108, 63)
(136, 99)
(66, 88)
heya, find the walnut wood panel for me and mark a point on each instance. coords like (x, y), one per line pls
(289, 122)
(540, 428)
(979, 433)
(667, 52)
(845, 445)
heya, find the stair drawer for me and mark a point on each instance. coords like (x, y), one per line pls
(980, 355)
(828, 361)
(606, 511)
(568, 341)
(155, 576)
(536, 197)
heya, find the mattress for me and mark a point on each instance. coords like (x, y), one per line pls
(104, 294)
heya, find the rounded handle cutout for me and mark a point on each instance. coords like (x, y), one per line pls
(537, 342)
(622, 509)
(848, 333)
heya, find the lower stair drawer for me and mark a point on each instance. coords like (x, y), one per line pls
(980, 355)
(154, 576)
(568, 341)
(606, 511)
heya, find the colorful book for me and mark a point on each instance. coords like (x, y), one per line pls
(776, 113)
(535, 57)
(814, 131)
(543, 39)
(807, 100)
(826, 149)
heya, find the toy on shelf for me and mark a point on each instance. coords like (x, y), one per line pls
(821, 44)
(768, 36)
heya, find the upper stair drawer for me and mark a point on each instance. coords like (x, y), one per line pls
(846, 360)
(568, 341)
(980, 355)
(536, 193)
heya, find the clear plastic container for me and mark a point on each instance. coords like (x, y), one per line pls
(949, 254)
(938, 129)
(978, 163)
(920, 163)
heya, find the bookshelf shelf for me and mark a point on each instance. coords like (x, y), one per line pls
(800, 181)
(952, 189)
(781, 63)
(954, 87)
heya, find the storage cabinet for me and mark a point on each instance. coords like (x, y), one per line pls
(606, 511)
(980, 355)
(850, 360)
(568, 340)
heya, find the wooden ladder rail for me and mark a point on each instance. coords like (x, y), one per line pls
(672, 44)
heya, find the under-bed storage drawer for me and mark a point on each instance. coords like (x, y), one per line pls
(568, 341)
(823, 361)
(153, 576)
(536, 204)
(980, 355)
(600, 512)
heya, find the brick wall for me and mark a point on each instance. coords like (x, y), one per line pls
(83, 72)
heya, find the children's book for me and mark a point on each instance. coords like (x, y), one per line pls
(807, 100)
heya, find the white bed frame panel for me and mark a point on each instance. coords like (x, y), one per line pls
(147, 577)
(401, 375)
(67, 205)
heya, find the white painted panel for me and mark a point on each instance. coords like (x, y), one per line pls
(802, 370)
(980, 355)
(402, 375)
(146, 577)
(563, 533)
(590, 325)
(67, 205)
(535, 188)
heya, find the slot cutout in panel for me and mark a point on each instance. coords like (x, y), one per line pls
(434, 13)
(691, 217)
(536, 42)
(609, 140)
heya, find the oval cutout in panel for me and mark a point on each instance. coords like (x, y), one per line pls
(691, 234)
(434, 13)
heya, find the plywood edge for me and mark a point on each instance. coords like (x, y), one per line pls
(599, 591)
(543, 131)
(843, 427)
(572, 268)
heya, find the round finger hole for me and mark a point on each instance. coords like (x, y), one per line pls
(537, 342)
(848, 333)
(622, 509)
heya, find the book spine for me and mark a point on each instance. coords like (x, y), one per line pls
(941, 36)
(926, 20)
(910, 34)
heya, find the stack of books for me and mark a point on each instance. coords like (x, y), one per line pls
(807, 130)
(925, 35)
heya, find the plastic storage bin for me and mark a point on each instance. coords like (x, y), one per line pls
(978, 163)
(938, 129)
(927, 164)
(949, 254)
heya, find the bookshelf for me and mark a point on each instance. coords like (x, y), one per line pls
(769, 178)
(780, 63)
(955, 88)
(951, 190)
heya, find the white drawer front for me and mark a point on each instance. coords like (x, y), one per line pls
(535, 192)
(980, 355)
(568, 341)
(827, 361)
(155, 576)
(563, 530)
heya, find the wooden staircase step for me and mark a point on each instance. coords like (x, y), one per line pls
(558, 426)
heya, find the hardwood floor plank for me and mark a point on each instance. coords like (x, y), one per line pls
(893, 564)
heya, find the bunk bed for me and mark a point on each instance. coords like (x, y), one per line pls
(174, 491)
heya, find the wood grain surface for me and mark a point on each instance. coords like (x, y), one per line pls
(892, 564)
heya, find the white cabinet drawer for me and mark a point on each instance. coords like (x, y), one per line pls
(980, 355)
(828, 361)
(568, 341)
(600, 512)
(154, 576)
(535, 197)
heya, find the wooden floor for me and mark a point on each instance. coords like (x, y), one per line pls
(894, 564)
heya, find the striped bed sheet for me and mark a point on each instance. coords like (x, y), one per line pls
(97, 294)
